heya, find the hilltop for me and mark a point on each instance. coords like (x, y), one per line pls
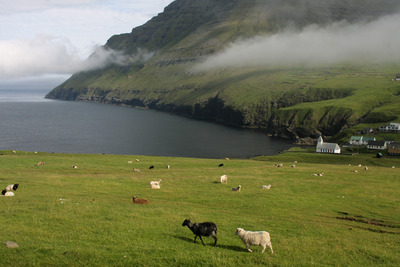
(164, 67)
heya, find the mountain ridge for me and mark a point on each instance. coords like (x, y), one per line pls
(187, 32)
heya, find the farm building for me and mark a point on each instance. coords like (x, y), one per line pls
(394, 149)
(390, 127)
(323, 147)
(379, 145)
(360, 140)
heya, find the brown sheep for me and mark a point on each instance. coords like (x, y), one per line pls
(140, 200)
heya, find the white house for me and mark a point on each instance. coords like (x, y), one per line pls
(356, 140)
(390, 127)
(379, 145)
(323, 147)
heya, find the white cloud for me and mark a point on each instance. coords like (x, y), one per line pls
(40, 37)
(376, 41)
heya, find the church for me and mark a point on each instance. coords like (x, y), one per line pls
(323, 147)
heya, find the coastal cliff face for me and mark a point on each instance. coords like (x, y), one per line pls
(161, 70)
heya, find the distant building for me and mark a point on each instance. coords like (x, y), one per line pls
(379, 145)
(394, 149)
(366, 139)
(360, 140)
(323, 147)
(368, 130)
(390, 127)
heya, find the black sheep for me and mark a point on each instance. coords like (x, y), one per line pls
(202, 229)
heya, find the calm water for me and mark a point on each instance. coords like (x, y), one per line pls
(31, 123)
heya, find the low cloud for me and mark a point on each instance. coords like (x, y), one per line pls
(46, 55)
(373, 42)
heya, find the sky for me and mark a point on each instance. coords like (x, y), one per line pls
(43, 42)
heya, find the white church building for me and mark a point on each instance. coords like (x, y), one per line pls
(323, 147)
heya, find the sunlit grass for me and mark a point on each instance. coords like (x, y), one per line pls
(85, 216)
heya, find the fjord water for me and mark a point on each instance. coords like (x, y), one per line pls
(29, 122)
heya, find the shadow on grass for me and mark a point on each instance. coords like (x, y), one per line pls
(229, 247)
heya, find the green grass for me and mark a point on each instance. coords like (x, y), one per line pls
(74, 217)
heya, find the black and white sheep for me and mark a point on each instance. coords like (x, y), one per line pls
(7, 193)
(258, 238)
(12, 187)
(202, 229)
(237, 188)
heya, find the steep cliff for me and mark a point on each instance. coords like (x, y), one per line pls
(160, 56)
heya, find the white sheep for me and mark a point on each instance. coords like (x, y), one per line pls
(223, 179)
(136, 170)
(266, 186)
(258, 238)
(279, 165)
(155, 184)
(237, 188)
(12, 187)
(293, 166)
(366, 168)
(74, 167)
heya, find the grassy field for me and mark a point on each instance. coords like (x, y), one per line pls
(62, 216)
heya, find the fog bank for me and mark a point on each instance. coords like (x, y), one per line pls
(373, 42)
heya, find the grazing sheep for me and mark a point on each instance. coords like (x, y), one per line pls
(137, 160)
(226, 158)
(155, 184)
(321, 174)
(393, 167)
(130, 161)
(223, 179)
(202, 229)
(40, 163)
(7, 193)
(74, 167)
(366, 168)
(136, 170)
(279, 165)
(151, 167)
(221, 165)
(168, 167)
(293, 166)
(266, 186)
(237, 188)
(250, 238)
(295, 162)
(12, 187)
(140, 200)
(355, 171)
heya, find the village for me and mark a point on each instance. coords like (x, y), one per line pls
(370, 143)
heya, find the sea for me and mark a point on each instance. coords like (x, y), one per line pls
(30, 122)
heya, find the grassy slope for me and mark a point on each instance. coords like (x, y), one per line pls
(84, 216)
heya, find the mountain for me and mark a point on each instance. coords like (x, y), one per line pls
(179, 62)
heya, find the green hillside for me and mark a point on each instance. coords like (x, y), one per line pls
(292, 102)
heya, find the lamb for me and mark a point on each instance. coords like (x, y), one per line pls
(12, 187)
(237, 188)
(250, 238)
(223, 179)
(7, 193)
(202, 229)
(155, 184)
(140, 200)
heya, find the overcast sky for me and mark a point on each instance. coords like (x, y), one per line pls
(43, 42)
